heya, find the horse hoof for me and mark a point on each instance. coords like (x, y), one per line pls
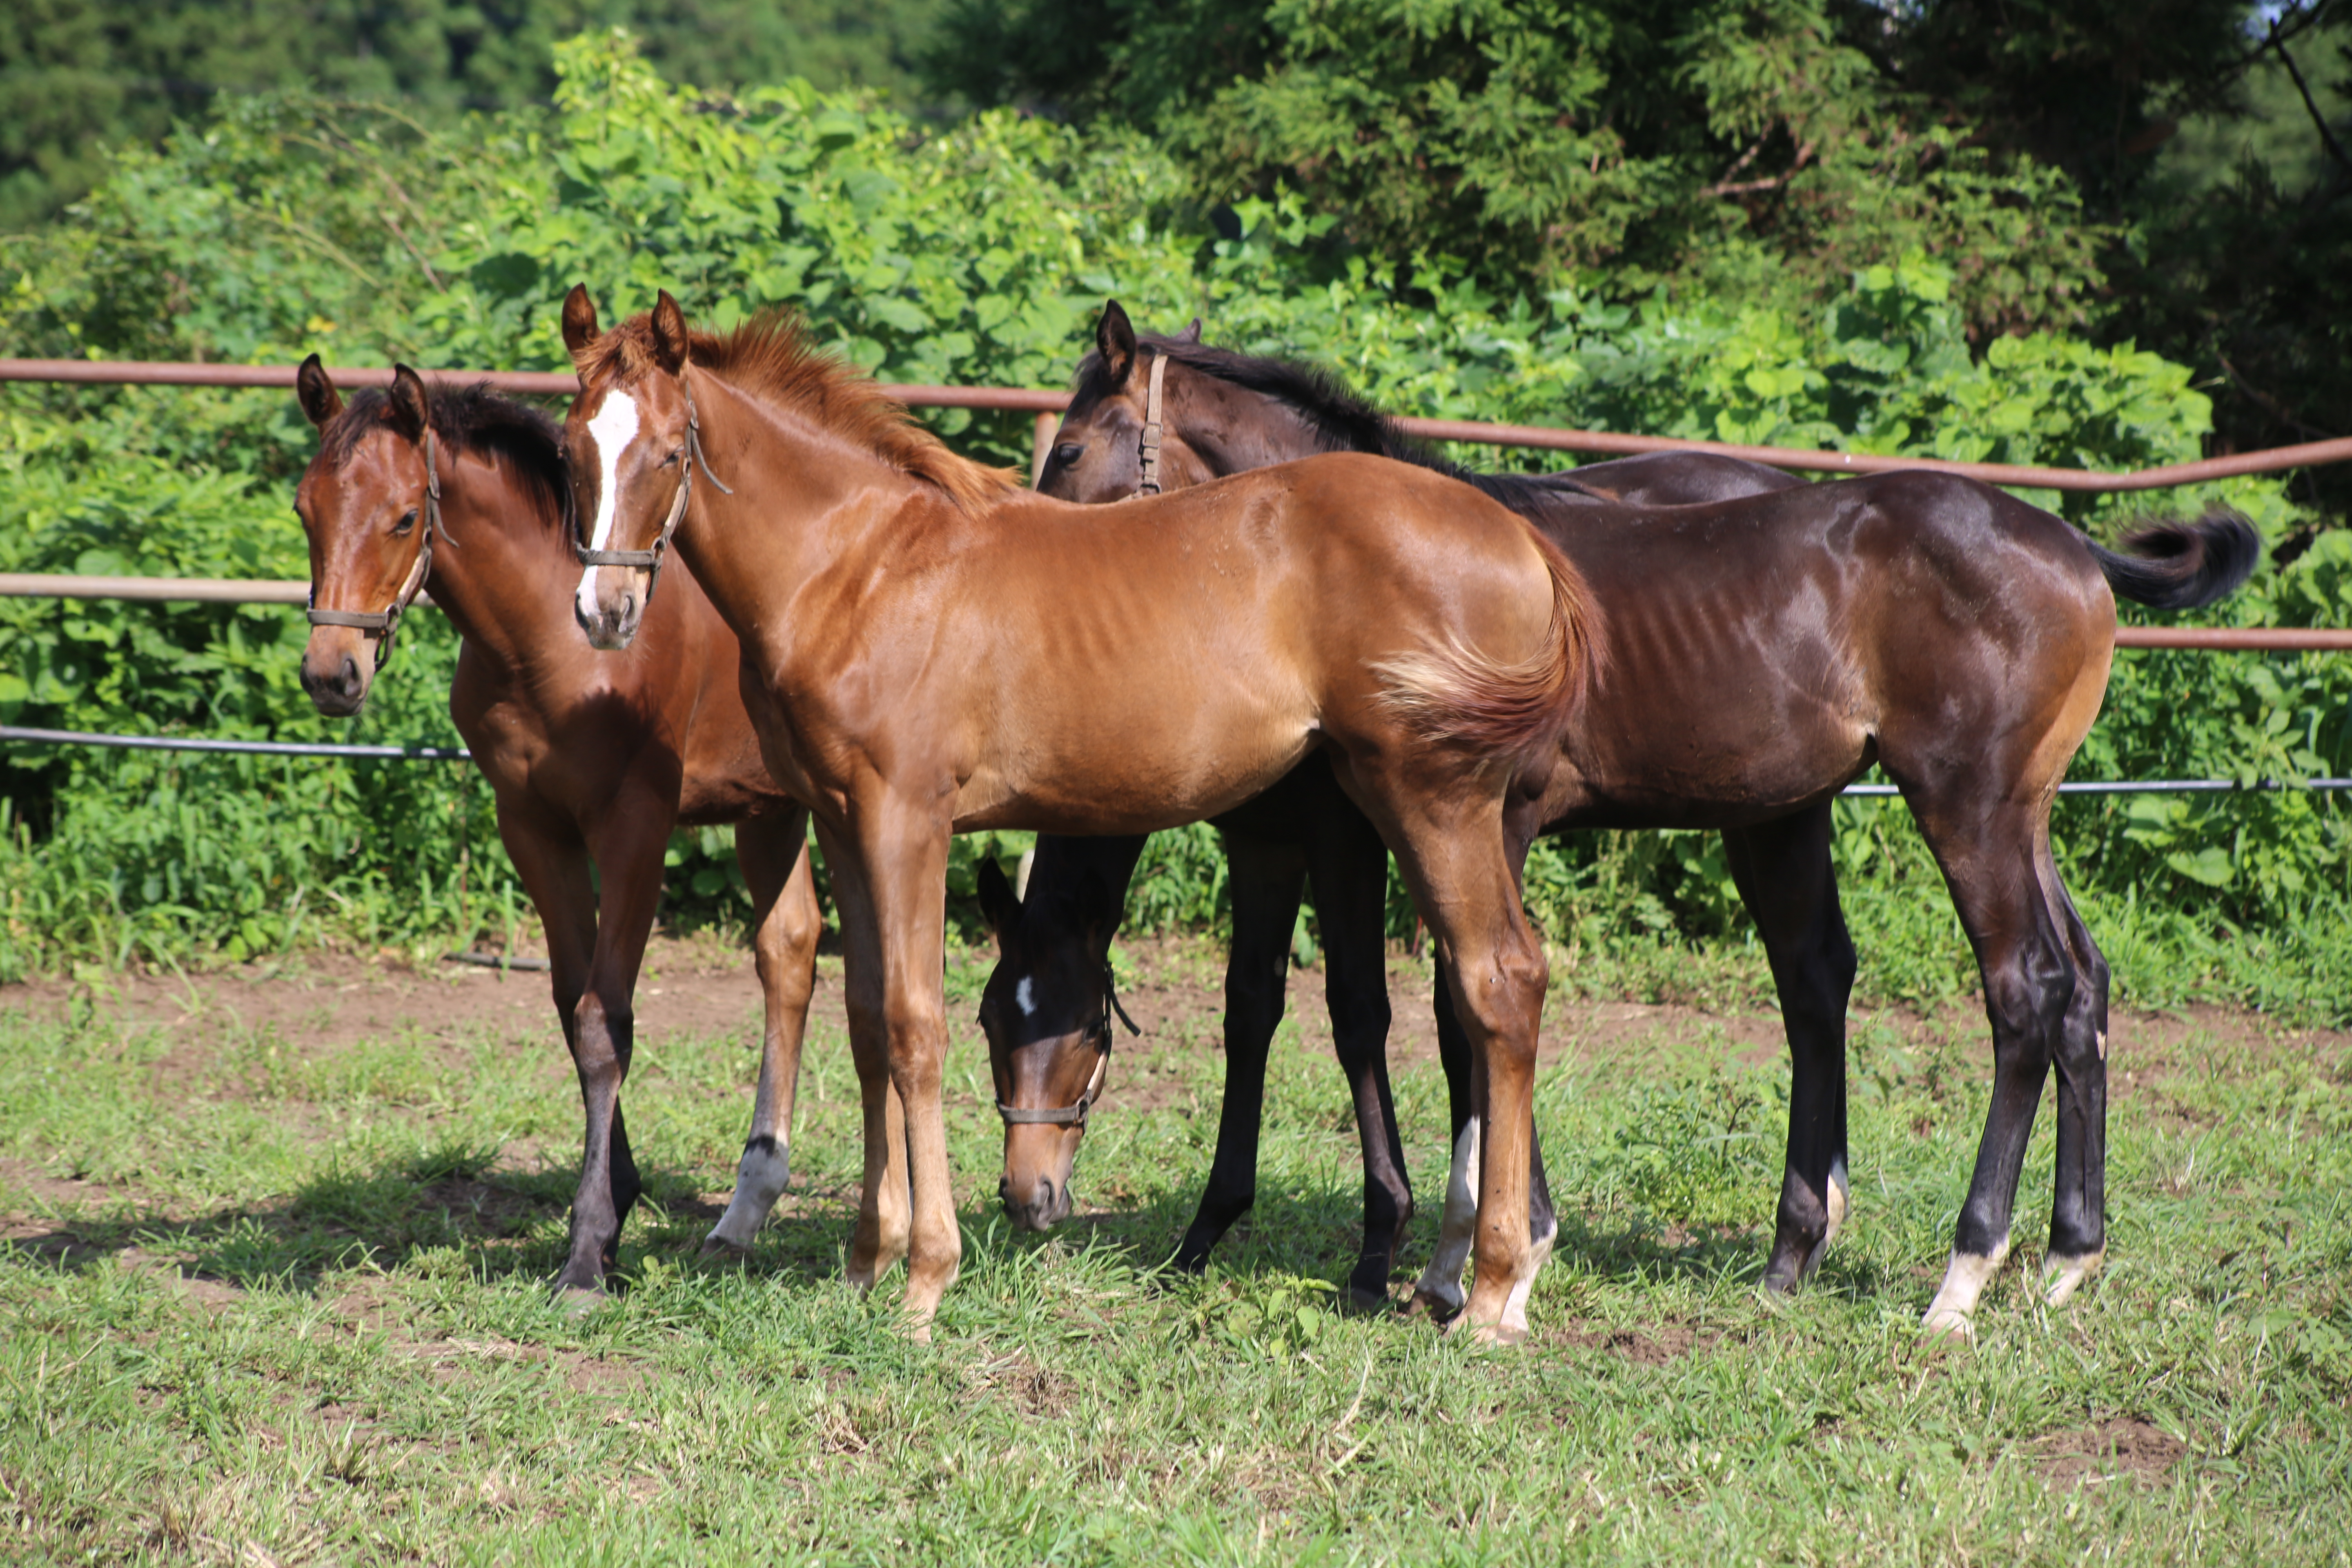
(1435, 1309)
(718, 1250)
(579, 1301)
(1947, 1326)
(2062, 1276)
(1501, 1336)
(1358, 1302)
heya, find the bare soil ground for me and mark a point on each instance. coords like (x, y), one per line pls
(701, 987)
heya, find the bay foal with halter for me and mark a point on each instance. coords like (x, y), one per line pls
(1759, 654)
(929, 649)
(593, 759)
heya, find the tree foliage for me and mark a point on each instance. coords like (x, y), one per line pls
(77, 75)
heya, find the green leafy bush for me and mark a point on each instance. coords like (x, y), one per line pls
(981, 253)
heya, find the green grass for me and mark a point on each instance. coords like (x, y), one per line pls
(276, 1301)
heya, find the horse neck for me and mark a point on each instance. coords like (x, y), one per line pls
(502, 572)
(802, 497)
(1233, 429)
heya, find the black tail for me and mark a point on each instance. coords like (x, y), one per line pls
(2184, 565)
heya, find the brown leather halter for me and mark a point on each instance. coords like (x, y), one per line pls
(1148, 484)
(653, 557)
(381, 624)
(1075, 1115)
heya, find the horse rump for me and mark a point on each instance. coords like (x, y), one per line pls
(1455, 696)
(2183, 565)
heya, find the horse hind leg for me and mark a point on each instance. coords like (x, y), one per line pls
(1989, 862)
(786, 925)
(2078, 1216)
(1786, 878)
(1438, 1293)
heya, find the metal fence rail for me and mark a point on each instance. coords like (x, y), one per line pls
(1046, 404)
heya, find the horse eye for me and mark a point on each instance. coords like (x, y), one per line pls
(408, 521)
(671, 462)
(1068, 453)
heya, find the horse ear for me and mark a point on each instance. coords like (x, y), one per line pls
(579, 322)
(1190, 335)
(999, 906)
(671, 344)
(410, 408)
(1115, 337)
(320, 401)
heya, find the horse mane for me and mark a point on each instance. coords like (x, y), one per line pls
(1340, 418)
(465, 419)
(770, 355)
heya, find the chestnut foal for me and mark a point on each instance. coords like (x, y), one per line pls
(928, 649)
(1759, 653)
(593, 759)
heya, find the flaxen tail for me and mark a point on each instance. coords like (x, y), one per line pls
(1514, 713)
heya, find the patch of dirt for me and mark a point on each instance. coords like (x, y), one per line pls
(1033, 1389)
(2124, 1448)
(1665, 1342)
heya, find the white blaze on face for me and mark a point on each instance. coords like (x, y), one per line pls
(1025, 996)
(613, 428)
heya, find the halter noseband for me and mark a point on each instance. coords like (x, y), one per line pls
(381, 624)
(1075, 1115)
(1148, 484)
(653, 557)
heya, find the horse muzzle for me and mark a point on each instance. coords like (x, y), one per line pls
(335, 675)
(611, 604)
(1036, 1204)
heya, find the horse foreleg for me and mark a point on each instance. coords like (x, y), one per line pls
(1785, 876)
(902, 852)
(629, 854)
(1349, 865)
(884, 1215)
(554, 868)
(1266, 878)
(774, 852)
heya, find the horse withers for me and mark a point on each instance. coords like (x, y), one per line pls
(593, 759)
(1760, 652)
(931, 649)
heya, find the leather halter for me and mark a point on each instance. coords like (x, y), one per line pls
(1075, 1115)
(381, 624)
(1148, 484)
(653, 557)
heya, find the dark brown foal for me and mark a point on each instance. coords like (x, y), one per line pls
(1756, 655)
(593, 757)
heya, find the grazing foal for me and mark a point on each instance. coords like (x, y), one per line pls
(592, 758)
(1759, 653)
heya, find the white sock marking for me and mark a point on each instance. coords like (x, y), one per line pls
(1953, 1311)
(1442, 1281)
(760, 1181)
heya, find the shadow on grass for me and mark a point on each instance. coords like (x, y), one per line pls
(446, 1208)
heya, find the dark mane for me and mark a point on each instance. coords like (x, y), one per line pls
(1340, 417)
(465, 419)
(771, 355)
